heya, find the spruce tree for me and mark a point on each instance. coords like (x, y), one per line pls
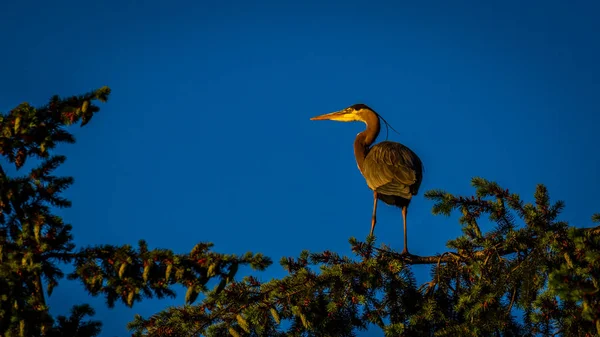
(529, 275)
(33, 240)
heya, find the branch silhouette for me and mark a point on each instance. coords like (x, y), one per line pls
(454, 256)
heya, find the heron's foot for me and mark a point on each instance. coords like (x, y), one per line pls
(405, 252)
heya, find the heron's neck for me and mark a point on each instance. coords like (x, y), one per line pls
(364, 139)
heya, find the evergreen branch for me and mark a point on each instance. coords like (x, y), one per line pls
(447, 257)
(74, 325)
(28, 229)
(495, 272)
(27, 131)
(122, 273)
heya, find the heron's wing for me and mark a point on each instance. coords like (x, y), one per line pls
(392, 168)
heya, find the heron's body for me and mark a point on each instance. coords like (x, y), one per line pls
(392, 171)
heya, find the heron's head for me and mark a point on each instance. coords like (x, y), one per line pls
(356, 112)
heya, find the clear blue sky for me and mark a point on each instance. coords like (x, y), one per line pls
(207, 136)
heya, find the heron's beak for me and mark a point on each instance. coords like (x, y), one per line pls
(340, 116)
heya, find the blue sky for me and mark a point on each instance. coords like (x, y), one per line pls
(207, 136)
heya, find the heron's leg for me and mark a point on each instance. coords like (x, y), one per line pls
(373, 218)
(404, 212)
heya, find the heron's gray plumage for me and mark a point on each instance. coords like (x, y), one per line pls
(393, 170)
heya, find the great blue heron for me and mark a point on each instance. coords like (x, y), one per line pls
(392, 171)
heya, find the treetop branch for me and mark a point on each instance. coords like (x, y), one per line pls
(453, 256)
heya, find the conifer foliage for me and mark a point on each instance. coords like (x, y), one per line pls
(530, 274)
(33, 240)
(516, 270)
